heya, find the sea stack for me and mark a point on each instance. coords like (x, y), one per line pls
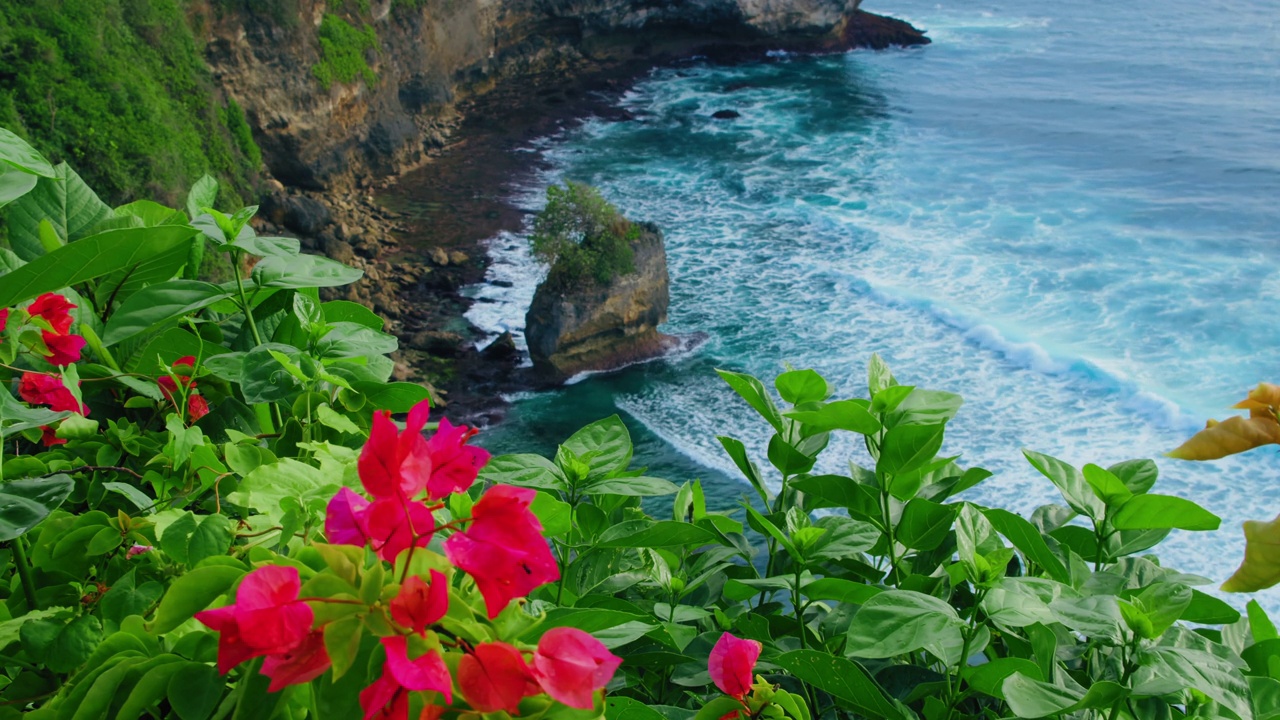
(603, 326)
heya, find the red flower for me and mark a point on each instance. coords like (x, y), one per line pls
(303, 663)
(40, 389)
(197, 407)
(343, 519)
(391, 526)
(503, 549)
(495, 677)
(4, 318)
(266, 619)
(49, 437)
(54, 309)
(388, 697)
(571, 665)
(418, 605)
(731, 664)
(63, 349)
(454, 464)
(394, 464)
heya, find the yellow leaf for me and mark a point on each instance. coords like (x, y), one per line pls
(1231, 436)
(1261, 567)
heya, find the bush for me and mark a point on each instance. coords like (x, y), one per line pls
(582, 237)
(233, 118)
(208, 511)
(342, 49)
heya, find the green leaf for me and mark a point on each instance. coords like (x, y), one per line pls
(347, 311)
(346, 340)
(1159, 512)
(17, 154)
(555, 515)
(625, 708)
(285, 247)
(1029, 540)
(1259, 624)
(127, 598)
(14, 184)
(65, 201)
(302, 271)
(524, 470)
(194, 691)
(1097, 616)
(738, 453)
(342, 642)
(838, 491)
(192, 593)
(1172, 669)
(614, 628)
(160, 303)
(646, 534)
(802, 386)
(1137, 475)
(398, 397)
(841, 590)
(74, 644)
(925, 407)
(989, 677)
(203, 194)
(1030, 698)
(639, 486)
(16, 417)
(924, 524)
(898, 622)
(1106, 486)
(851, 415)
(264, 379)
(1206, 609)
(24, 503)
(906, 448)
(90, 258)
(718, 707)
(1074, 488)
(605, 445)
(753, 391)
(845, 680)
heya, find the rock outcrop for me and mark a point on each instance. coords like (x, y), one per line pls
(602, 327)
(432, 56)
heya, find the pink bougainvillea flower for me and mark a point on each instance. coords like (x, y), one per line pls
(396, 464)
(4, 318)
(503, 549)
(49, 436)
(53, 309)
(454, 464)
(343, 524)
(495, 677)
(731, 664)
(420, 605)
(137, 550)
(41, 389)
(388, 697)
(391, 525)
(63, 349)
(197, 407)
(303, 663)
(266, 619)
(571, 665)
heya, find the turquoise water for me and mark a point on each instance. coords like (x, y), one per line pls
(1070, 217)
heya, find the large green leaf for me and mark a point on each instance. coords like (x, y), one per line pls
(851, 415)
(524, 470)
(160, 303)
(898, 622)
(398, 397)
(605, 445)
(17, 154)
(631, 486)
(625, 708)
(1171, 669)
(65, 201)
(1029, 540)
(1070, 482)
(24, 503)
(16, 417)
(753, 391)
(1160, 512)
(192, 593)
(646, 534)
(302, 271)
(347, 340)
(802, 386)
(924, 524)
(14, 184)
(92, 257)
(845, 680)
(908, 447)
(1031, 698)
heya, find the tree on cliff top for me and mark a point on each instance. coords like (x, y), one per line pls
(582, 237)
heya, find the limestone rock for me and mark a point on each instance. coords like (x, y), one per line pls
(601, 327)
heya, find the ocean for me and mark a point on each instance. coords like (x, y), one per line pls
(1068, 215)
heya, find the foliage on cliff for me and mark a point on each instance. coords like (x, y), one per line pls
(582, 237)
(342, 52)
(119, 88)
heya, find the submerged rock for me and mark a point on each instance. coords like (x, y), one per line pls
(726, 114)
(603, 326)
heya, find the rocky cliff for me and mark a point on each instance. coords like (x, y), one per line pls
(603, 326)
(431, 56)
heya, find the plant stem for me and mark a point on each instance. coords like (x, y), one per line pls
(24, 572)
(244, 300)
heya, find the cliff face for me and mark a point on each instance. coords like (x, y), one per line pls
(433, 57)
(602, 327)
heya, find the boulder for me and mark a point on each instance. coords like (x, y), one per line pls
(603, 326)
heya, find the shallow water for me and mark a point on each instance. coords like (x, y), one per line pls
(1069, 217)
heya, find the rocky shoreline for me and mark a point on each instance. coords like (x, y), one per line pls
(419, 233)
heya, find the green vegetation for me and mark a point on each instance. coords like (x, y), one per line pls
(233, 118)
(582, 237)
(119, 88)
(342, 52)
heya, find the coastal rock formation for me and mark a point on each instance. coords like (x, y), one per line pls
(433, 56)
(601, 327)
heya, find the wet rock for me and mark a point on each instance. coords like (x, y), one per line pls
(726, 114)
(438, 343)
(501, 350)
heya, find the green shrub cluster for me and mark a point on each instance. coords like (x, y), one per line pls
(582, 237)
(342, 49)
(233, 118)
(119, 88)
